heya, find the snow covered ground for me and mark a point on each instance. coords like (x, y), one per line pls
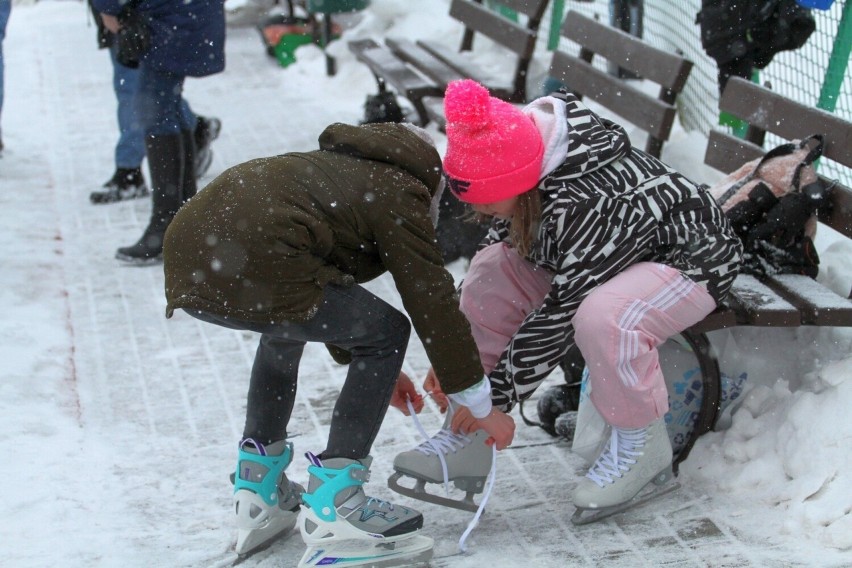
(119, 427)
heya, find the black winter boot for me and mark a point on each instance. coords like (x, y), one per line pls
(189, 184)
(165, 161)
(125, 183)
(206, 131)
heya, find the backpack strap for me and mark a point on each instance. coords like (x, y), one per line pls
(813, 155)
(782, 150)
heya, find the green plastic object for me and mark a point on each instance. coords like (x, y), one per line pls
(336, 6)
(838, 63)
(285, 49)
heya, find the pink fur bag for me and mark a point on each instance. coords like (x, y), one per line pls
(772, 204)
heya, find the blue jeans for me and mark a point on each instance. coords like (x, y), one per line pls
(374, 332)
(130, 148)
(5, 10)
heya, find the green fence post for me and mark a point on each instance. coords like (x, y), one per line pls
(838, 62)
(558, 10)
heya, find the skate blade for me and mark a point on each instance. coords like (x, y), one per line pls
(251, 540)
(419, 492)
(410, 551)
(585, 516)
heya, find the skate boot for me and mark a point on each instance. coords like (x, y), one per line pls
(342, 526)
(630, 461)
(265, 501)
(125, 183)
(463, 459)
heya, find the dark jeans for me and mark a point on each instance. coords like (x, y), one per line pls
(374, 332)
(159, 101)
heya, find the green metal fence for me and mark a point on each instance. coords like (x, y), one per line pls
(818, 74)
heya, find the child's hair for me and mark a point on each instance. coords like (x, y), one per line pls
(525, 221)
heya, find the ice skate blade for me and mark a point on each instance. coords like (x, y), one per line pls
(414, 550)
(594, 515)
(419, 492)
(253, 540)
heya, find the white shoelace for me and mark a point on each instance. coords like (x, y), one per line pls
(447, 441)
(624, 446)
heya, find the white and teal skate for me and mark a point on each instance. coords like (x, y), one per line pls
(265, 501)
(634, 467)
(341, 526)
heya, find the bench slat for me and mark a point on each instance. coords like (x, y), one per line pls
(629, 52)
(466, 68)
(396, 73)
(650, 114)
(435, 109)
(758, 304)
(507, 33)
(727, 153)
(767, 110)
(424, 61)
(818, 305)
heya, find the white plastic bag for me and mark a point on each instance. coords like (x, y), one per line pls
(685, 387)
(591, 430)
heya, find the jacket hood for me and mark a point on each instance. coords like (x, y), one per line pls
(390, 143)
(583, 143)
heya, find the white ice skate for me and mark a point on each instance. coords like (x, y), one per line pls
(463, 459)
(341, 526)
(265, 501)
(631, 461)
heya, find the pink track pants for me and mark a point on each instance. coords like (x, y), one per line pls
(618, 327)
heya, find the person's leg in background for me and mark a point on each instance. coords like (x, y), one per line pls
(127, 182)
(5, 12)
(159, 99)
(201, 131)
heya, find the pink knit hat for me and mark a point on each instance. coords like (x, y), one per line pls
(494, 151)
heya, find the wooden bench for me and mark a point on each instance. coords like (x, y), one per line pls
(784, 300)
(654, 115)
(420, 70)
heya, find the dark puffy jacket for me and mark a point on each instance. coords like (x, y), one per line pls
(261, 241)
(187, 37)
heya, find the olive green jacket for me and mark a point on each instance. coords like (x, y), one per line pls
(261, 241)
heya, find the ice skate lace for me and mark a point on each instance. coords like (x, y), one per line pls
(442, 442)
(624, 447)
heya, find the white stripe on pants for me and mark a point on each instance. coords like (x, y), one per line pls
(618, 328)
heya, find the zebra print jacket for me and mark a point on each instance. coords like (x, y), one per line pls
(606, 207)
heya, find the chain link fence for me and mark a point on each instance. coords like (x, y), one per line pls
(801, 75)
